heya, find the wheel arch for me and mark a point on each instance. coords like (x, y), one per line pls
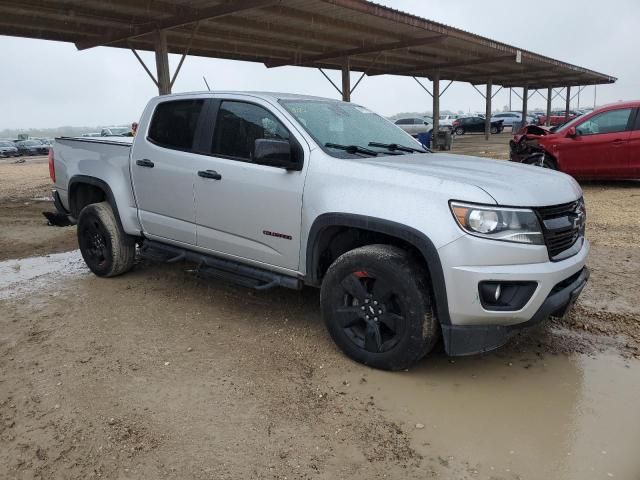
(85, 190)
(328, 225)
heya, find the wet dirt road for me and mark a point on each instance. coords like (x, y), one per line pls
(160, 374)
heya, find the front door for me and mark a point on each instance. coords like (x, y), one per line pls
(599, 147)
(163, 171)
(245, 210)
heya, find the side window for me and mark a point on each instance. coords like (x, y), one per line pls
(605, 122)
(174, 124)
(239, 125)
(418, 121)
(404, 121)
(637, 126)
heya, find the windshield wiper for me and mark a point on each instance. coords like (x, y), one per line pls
(353, 149)
(400, 148)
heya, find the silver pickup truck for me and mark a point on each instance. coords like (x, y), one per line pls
(269, 190)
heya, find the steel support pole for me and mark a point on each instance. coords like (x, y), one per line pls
(549, 94)
(346, 80)
(436, 103)
(525, 100)
(568, 104)
(162, 63)
(487, 119)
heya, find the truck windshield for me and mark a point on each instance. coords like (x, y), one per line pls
(345, 130)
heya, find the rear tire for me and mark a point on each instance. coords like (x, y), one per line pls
(106, 249)
(494, 130)
(376, 305)
(459, 131)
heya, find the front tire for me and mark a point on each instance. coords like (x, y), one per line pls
(459, 131)
(376, 305)
(106, 249)
(494, 130)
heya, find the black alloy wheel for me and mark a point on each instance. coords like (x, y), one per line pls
(371, 313)
(94, 245)
(376, 304)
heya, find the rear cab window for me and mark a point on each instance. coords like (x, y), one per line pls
(174, 124)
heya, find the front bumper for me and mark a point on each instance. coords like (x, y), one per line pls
(473, 339)
(469, 261)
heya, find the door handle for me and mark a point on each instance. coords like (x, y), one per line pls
(212, 174)
(145, 163)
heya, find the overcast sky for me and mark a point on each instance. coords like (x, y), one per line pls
(50, 84)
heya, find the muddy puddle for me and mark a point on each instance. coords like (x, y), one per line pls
(29, 275)
(557, 417)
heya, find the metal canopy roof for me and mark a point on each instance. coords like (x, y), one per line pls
(312, 33)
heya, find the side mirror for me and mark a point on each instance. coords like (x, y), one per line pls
(571, 133)
(275, 153)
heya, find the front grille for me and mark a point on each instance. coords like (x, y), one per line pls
(563, 228)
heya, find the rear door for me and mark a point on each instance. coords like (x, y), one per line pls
(163, 170)
(248, 211)
(600, 148)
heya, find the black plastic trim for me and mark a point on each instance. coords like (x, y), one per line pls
(95, 140)
(419, 240)
(246, 275)
(85, 179)
(462, 340)
(57, 202)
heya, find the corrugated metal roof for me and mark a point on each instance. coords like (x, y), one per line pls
(315, 33)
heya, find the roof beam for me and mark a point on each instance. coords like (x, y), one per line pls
(351, 52)
(445, 66)
(193, 16)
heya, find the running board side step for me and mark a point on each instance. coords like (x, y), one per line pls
(239, 273)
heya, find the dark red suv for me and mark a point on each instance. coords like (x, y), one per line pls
(604, 143)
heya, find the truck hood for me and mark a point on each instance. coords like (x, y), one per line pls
(510, 184)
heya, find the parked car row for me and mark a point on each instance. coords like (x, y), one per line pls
(31, 146)
(8, 149)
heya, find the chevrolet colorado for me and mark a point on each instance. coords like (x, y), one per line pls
(270, 190)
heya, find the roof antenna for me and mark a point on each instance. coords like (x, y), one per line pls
(206, 83)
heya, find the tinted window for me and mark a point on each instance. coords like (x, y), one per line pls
(239, 125)
(605, 122)
(637, 127)
(174, 123)
(405, 121)
(418, 121)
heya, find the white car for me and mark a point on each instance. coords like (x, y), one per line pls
(446, 121)
(416, 125)
(272, 190)
(509, 118)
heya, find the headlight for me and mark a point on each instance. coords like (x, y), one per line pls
(518, 225)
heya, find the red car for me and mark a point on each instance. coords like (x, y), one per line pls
(604, 143)
(557, 118)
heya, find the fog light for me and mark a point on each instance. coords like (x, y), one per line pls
(505, 296)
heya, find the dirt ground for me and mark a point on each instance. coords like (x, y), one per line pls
(25, 192)
(161, 374)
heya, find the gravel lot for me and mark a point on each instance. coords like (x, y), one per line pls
(161, 374)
